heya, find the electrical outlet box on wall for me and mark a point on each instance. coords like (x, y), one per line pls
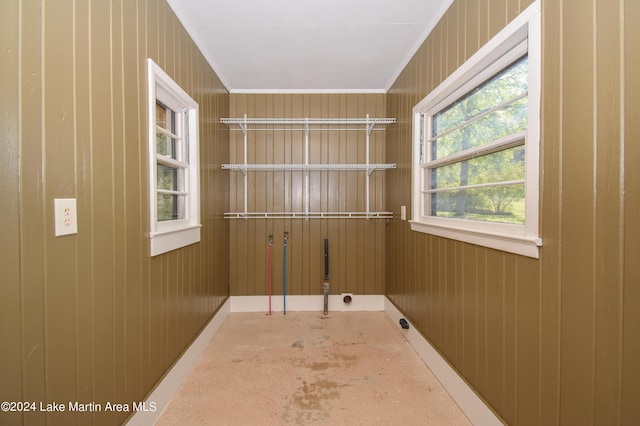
(65, 216)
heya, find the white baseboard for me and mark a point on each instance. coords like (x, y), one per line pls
(171, 382)
(469, 402)
(359, 302)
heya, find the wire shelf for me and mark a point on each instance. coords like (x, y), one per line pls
(308, 215)
(305, 167)
(302, 124)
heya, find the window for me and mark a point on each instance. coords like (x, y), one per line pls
(173, 164)
(476, 145)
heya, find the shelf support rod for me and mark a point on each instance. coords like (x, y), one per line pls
(367, 161)
(244, 172)
(306, 167)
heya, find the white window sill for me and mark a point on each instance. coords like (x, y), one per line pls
(168, 240)
(522, 245)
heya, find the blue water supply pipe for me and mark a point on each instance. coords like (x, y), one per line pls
(284, 273)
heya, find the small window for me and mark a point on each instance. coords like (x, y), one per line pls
(476, 145)
(173, 164)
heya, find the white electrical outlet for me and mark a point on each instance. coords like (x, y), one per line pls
(65, 217)
(403, 212)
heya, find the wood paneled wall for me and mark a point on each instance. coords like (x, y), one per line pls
(91, 317)
(356, 245)
(554, 340)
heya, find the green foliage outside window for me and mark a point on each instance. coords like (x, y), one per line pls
(168, 204)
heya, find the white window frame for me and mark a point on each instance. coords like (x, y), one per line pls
(521, 36)
(170, 235)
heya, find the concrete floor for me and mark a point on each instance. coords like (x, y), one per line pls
(348, 368)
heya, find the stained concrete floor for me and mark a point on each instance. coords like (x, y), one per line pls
(348, 368)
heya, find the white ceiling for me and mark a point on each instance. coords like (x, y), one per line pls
(308, 46)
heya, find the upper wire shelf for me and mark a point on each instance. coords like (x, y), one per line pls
(369, 124)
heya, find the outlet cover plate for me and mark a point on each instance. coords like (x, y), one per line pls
(65, 218)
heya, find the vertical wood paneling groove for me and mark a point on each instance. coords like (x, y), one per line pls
(133, 289)
(119, 224)
(472, 25)
(512, 282)
(578, 220)
(607, 356)
(551, 217)
(630, 341)
(11, 297)
(102, 194)
(84, 181)
(58, 150)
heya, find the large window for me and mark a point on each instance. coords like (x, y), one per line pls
(476, 145)
(173, 164)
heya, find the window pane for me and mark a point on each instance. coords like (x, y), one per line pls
(170, 178)
(161, 115)
(496, 125)
(170, 207)
(506, 86)
(166, 119)
(503, 204)
(499, 166)
(165, 145)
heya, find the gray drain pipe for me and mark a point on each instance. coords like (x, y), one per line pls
(326, 276)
